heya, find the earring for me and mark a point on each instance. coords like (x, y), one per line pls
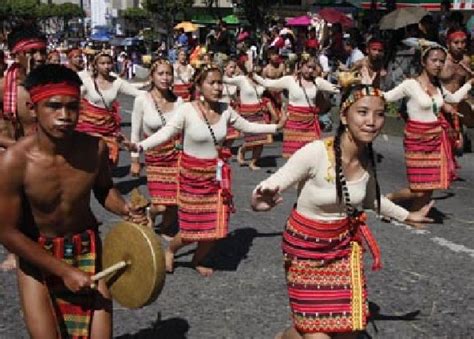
(201, 98)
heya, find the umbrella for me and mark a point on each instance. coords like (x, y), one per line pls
(332, 16)
(187, 26)
(402, 17)
(299, 21)
(231, 20)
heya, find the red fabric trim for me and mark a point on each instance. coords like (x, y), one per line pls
(42, 92)
(28, 44)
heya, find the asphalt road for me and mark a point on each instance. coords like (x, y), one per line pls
(425, 290)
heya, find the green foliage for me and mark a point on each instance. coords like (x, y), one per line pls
(168, 8)
(135, 13)
(255, 11)
(22, 8)
(5, 10)
(69, 11)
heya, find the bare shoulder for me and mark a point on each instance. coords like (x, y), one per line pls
(466, 60)
(14, 160)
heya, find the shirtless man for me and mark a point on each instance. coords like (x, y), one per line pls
(29, 50)
(275, 69)
(373, 63)
(46, 180)
(456, 72)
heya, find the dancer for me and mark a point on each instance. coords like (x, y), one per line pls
(229, 96)
(152, 110)
(455, 73)
(373, 63)
(28, 47)
(183, 74)
(205, 198)
(302, 126)
(45, 185)
(428, 153)
(251, 107)
(100, 112)
(324, 235)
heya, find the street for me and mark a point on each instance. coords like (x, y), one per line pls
(425, 289)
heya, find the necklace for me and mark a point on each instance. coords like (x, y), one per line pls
(160, 113)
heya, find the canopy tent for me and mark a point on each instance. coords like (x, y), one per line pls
(100, 36)
(429, 5)
(303, 20)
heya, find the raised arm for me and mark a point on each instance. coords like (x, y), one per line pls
(326, 86)
(128, 88)
(401, 91)
(172, 127)
(244, 125)
(236, 81)
(459, 95)
(297, 168)
(281, 83)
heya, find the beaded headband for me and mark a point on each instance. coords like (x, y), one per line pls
(358, 94)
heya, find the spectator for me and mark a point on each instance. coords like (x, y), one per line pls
(353, 53)
(182, 40)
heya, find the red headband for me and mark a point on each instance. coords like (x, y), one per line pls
(29, 44)
(42, 92)
(457, 35)
(375, 44)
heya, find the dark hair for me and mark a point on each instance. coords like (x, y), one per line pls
(23, 32)
(341, 184)
(203, 71)
(51, 74)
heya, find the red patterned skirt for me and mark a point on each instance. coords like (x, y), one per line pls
(325, 273)
(204, 205)
(162, 167)
(73, 310)
(254, 113)
(183, 91)
(301, 128)
(428, 155)
(100, 122)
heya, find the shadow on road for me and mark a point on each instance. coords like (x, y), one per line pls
(173, 328)
(268, 161)
(126, 186)
(120, 171)
(375, 315)
(229, 252)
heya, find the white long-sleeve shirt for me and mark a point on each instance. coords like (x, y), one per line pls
(420, 104)
(145, 117)
(197, 139)
(296, 93)
(90, 93)
(317, 199)
(250, 93)
(182, 75)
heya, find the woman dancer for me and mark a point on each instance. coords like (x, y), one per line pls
(302, 126)
(151, 111)
(252, 108)
(100, 113)
(205, 198)
(428, 153)
(183, 73)
(229, 96)
(322, 243)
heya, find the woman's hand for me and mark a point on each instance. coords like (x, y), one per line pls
(131, 146)
(283, 119)
(419, 217)
(264, 199)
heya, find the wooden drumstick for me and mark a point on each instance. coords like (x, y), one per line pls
(108, 271)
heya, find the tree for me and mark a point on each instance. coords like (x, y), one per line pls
(255, 11)
(136, 17)
(165, 11)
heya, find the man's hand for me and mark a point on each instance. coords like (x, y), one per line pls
(76, 280)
